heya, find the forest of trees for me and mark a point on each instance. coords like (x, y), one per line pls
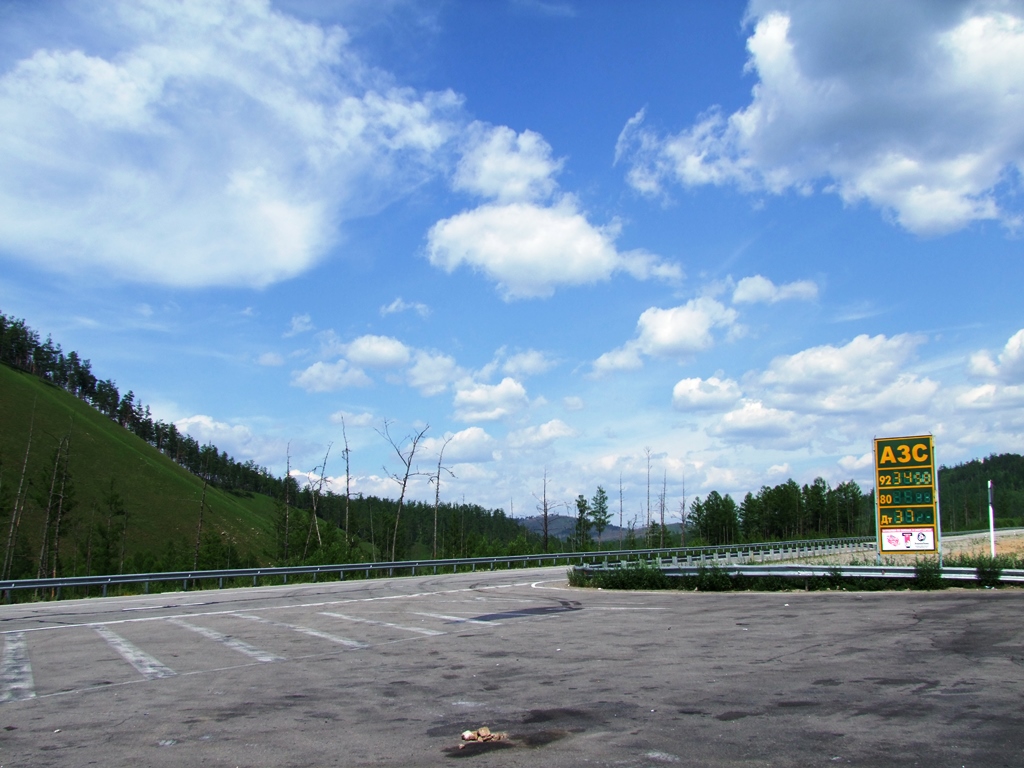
(314, 525)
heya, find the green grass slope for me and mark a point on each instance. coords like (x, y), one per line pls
(162, 499)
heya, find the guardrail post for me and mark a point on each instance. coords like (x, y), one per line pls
(104, 590)
(220, 583)
(254, 581)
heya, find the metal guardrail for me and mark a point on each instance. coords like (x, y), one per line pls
(1007, 575)
(720, 554)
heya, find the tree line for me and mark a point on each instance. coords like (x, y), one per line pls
(22, 348)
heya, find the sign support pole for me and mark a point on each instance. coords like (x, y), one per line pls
(991, 521)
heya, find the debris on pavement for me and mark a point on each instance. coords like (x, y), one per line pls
(483, 734)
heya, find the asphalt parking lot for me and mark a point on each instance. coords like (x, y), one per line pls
(391, 671)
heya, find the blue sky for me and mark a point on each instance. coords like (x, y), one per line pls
(728, 242)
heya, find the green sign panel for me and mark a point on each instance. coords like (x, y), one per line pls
(905, 495)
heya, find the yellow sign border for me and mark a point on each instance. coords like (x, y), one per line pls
(912, 461)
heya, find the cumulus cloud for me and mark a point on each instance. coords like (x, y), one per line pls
(991, 396)
(868, 373)
(210, 143)
(756, 424)
(489, 402)
(530, 249)
(472, 445)
(328, 377)
(400, 305)
(705, 394)
(237, 439)
(1010, 363)
(759, 289)
(377, 352)
(527, 363)
(432, 373)
(506, 166)
(913, 107)
(675, 332)
(540, 436)
(352, 419)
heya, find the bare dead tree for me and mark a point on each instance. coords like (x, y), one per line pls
(682, 514)
(620, 510)
(199, 527)
(348, 480)
(19, 501)
(661, 506)
(406, 455)
(316, 489)
(436, 480)
(287, 501)
(647, 535)
(61, 500)
(48, 516)
(544, 508)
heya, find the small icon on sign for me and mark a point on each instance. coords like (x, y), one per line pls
(921, 536)
(893, 540)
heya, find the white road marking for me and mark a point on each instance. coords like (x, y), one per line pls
(231, 642)
(255, 609)
(306, 631)
(145, 665)
(456, 619)
(16, 681)
(420, 630)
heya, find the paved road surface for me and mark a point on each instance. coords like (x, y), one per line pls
(391, 671)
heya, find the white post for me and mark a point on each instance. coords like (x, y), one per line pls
(991, 520)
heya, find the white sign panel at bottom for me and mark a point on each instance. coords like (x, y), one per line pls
(908, 539)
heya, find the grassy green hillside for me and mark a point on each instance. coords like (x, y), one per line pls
(162, 500)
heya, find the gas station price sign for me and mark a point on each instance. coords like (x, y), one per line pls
(905, 495)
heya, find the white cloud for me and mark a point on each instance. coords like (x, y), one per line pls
(870, 373)
(327, 377)
(299, 324)
(625, 358)
(573, 403)
(237, 439)
(489, 402)
(759, 289)
(364, 419)
(506, 166)
(377, 352)
(675, 332)
(912, 106)
(527, 363)
(991, 396)
(529, 249)
(211, 143)
(1010, 365)
(683, 330)
(470, 445)
(270, 359)
(854, 464)
(705, 394)
(400, 305)
(432, 373)
(756, 424)
(540, 436)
